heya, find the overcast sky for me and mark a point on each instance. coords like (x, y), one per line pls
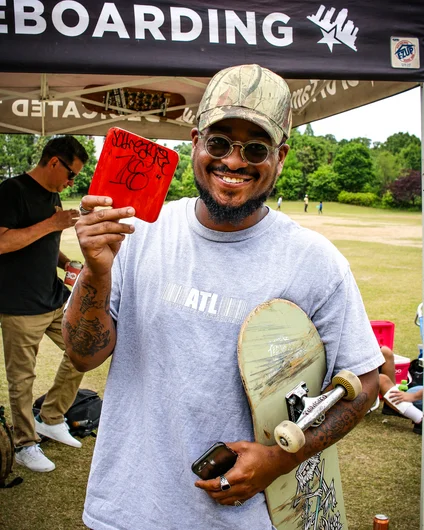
(377, 121)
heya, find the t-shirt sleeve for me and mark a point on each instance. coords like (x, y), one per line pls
(10, 204)
(346, 332)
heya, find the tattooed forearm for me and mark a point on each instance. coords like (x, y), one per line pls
(88, 327)
(343, 418)
(88, 294)
(88, 337)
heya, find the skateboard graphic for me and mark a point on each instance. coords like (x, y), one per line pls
(282, 365)
(135, 100)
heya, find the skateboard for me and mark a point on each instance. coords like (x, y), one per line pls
(136, 100)
(282, 365)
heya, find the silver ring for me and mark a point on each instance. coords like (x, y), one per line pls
(83, 211)
(238, 503)
(225, 485)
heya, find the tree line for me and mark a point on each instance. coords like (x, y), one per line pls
(357, 171)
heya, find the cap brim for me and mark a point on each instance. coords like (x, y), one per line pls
(209, 117)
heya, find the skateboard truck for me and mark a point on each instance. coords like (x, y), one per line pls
(305, 411)
(299, 405)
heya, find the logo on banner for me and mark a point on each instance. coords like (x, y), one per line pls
(338, 31)
(405, 52)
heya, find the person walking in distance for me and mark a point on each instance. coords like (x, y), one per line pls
(172, 331)
(32, 296)
(320, 208)
(279, 202)
(306, 203)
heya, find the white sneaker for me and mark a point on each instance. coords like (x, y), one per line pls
(59, 432)
(375, 405)
(33, 458)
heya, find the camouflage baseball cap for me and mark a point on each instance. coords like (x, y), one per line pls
(251, 93)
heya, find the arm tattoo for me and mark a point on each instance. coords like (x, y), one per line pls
(88, 337)
(340, 422)
(88, 298)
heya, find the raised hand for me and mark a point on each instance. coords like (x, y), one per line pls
(100, 233)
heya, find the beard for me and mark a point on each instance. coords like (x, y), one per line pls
(233, 215)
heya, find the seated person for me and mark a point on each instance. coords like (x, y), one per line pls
(396, 402)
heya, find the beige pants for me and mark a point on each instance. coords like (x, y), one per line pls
(21, 339)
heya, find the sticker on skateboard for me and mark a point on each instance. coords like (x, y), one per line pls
(135, 100)
(282, 365)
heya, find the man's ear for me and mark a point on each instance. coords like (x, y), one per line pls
(282, 153)
(194, 139)
(53, 161)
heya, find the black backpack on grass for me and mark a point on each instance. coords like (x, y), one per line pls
(416, 373)
(84, 414)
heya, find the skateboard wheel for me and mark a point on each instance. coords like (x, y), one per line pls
(289, 436)
(350, 382)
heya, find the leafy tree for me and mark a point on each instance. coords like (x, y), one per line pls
(187, 180)
(290, 183)
(386, 168)
(410, 157)
(184, 162)
(406, 190)
(309, 131)
(330, 138)
(183, 149)
(175, 190)
(354, 167)
(17, 154)
(362, 140)
(310, 153)
(323, 184)
(396, 142)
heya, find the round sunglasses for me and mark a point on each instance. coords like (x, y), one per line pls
(253, 152)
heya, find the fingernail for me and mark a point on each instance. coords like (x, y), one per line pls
(130, 211)
(108, 200)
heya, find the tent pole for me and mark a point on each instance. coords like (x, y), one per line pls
(422, 291)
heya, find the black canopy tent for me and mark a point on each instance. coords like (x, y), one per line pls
(335, 57)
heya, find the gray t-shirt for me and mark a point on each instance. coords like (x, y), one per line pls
(180, 294)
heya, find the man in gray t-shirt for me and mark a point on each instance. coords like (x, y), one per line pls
(168, 303)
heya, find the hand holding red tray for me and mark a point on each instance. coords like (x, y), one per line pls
(135, 172)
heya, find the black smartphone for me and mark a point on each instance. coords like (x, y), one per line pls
(217, 460)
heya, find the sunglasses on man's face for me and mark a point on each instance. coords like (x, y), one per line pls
(72, 174)
(253, 152)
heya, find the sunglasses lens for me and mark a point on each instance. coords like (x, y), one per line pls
(217, 146)
(255, 152)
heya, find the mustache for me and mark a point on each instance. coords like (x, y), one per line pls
(241, 172)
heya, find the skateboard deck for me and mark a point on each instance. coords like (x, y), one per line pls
(136, 100)
(279, 347)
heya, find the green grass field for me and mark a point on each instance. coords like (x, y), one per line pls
(380, 458)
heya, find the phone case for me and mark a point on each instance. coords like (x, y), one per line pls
(134, 171)
(217, 460)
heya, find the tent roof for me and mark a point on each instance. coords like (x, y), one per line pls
(335, 57)
(57, 103)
